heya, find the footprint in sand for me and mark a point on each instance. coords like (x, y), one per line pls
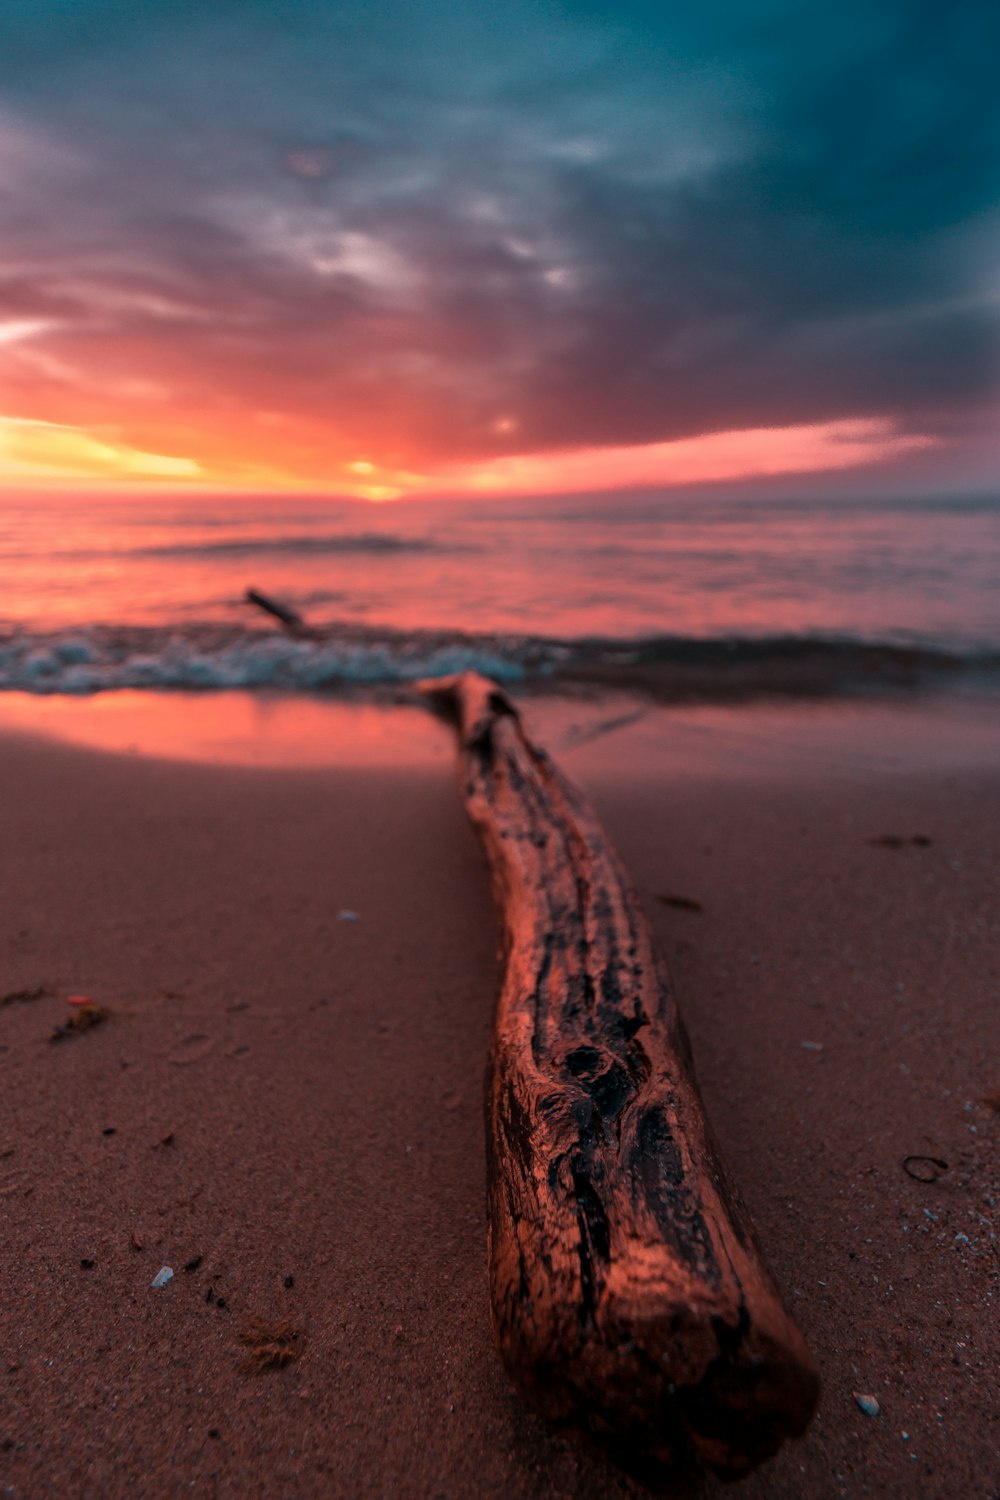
(13, 1182)
(191, 1049)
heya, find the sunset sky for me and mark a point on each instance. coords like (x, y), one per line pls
(390, 249)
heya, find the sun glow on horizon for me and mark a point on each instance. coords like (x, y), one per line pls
(34, 451)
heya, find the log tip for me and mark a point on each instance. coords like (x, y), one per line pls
(741, 1414)
(671, 1392)
(736, 1418)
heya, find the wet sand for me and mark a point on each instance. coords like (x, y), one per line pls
(290, 1103)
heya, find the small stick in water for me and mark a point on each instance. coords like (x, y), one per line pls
(290, 618)
(628, 1295)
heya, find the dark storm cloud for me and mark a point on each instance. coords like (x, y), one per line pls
(617, 225)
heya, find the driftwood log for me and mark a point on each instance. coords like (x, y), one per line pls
(628, 1295)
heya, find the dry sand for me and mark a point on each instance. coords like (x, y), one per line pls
(294, 1102)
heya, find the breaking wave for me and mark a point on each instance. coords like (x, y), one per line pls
(352, 658)
(294, 544)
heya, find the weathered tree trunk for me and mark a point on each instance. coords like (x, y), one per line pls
(628, 1295)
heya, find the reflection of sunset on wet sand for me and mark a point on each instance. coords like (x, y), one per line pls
(236, 729)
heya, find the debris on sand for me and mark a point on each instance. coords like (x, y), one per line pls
(21, 997)
(85, 1017)
(898, 841)
(269, 1346)
(924, 1168)
(681, 903)
(163, 1275)
(868, 1404)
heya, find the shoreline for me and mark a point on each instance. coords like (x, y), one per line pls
(602, 732)
(320, 1080)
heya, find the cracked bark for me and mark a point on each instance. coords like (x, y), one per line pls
(628, 1295)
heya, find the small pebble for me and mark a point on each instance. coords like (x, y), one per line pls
(347, 916)
(811, 1046)
(289, 1281)
(86, 1265)
(161, 1278)
(868, 1404)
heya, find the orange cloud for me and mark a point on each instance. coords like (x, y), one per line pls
(31, 450)
(806, 448)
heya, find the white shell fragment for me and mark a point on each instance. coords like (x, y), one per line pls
(161, 1278)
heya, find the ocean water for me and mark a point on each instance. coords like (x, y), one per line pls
(685, 597)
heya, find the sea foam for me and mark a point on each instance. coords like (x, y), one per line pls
(213, 657)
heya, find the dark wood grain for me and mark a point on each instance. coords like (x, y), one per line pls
(628, 1294)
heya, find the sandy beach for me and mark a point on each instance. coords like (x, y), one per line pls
(642, 360)
(285, 1103)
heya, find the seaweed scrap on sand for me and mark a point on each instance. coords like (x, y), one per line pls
(83, 1018)
(269, 1346)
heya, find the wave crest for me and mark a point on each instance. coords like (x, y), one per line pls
(304, 544)
(670, 668)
